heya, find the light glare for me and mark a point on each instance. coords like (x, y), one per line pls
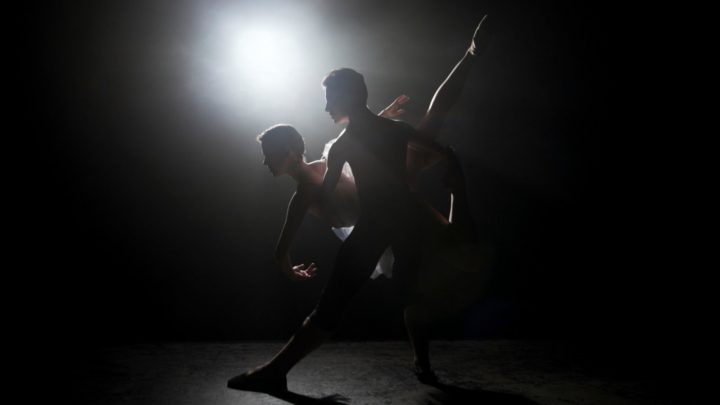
(266, 56)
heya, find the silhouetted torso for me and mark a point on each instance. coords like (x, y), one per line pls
(340, 208)
(376, 149)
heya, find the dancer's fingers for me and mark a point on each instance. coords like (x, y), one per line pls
(399, 100)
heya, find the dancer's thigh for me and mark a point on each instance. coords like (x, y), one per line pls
(355, 261)
(408, 244)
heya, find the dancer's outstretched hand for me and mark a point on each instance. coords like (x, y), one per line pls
(395, 108)
(302, 272)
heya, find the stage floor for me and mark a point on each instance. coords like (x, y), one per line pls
(472, 372)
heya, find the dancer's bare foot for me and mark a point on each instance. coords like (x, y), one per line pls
(481, 37)
(261, 379)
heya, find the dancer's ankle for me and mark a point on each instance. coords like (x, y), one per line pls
(270, 369)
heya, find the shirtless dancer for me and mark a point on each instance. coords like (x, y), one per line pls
(375, 148)
(284, 148)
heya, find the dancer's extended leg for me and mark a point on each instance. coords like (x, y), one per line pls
(449, 91)
(271, 376)
(418, 321)
(355, 261)
(445, 98)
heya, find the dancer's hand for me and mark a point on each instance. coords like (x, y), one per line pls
(394, 109)
(302, 272)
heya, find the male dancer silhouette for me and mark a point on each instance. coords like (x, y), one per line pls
(390, 215)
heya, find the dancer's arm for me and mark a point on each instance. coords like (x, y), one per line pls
(298, 207)
(335, 161)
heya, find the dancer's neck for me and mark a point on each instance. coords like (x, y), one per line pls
(359, 116)
(301, 172)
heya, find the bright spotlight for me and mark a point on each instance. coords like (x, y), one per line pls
(266, 56)
(252, 63)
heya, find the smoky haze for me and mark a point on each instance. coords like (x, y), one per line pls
(165, 219)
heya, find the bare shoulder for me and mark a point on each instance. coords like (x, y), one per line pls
(395, 125)
(343, 137)
(402, 129)
(340, 143)
(318, 164)
(317, 167)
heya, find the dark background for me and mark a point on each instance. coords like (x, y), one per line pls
(156, 221)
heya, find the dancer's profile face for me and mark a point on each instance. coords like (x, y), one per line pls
(336, 105)
(277, 159)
